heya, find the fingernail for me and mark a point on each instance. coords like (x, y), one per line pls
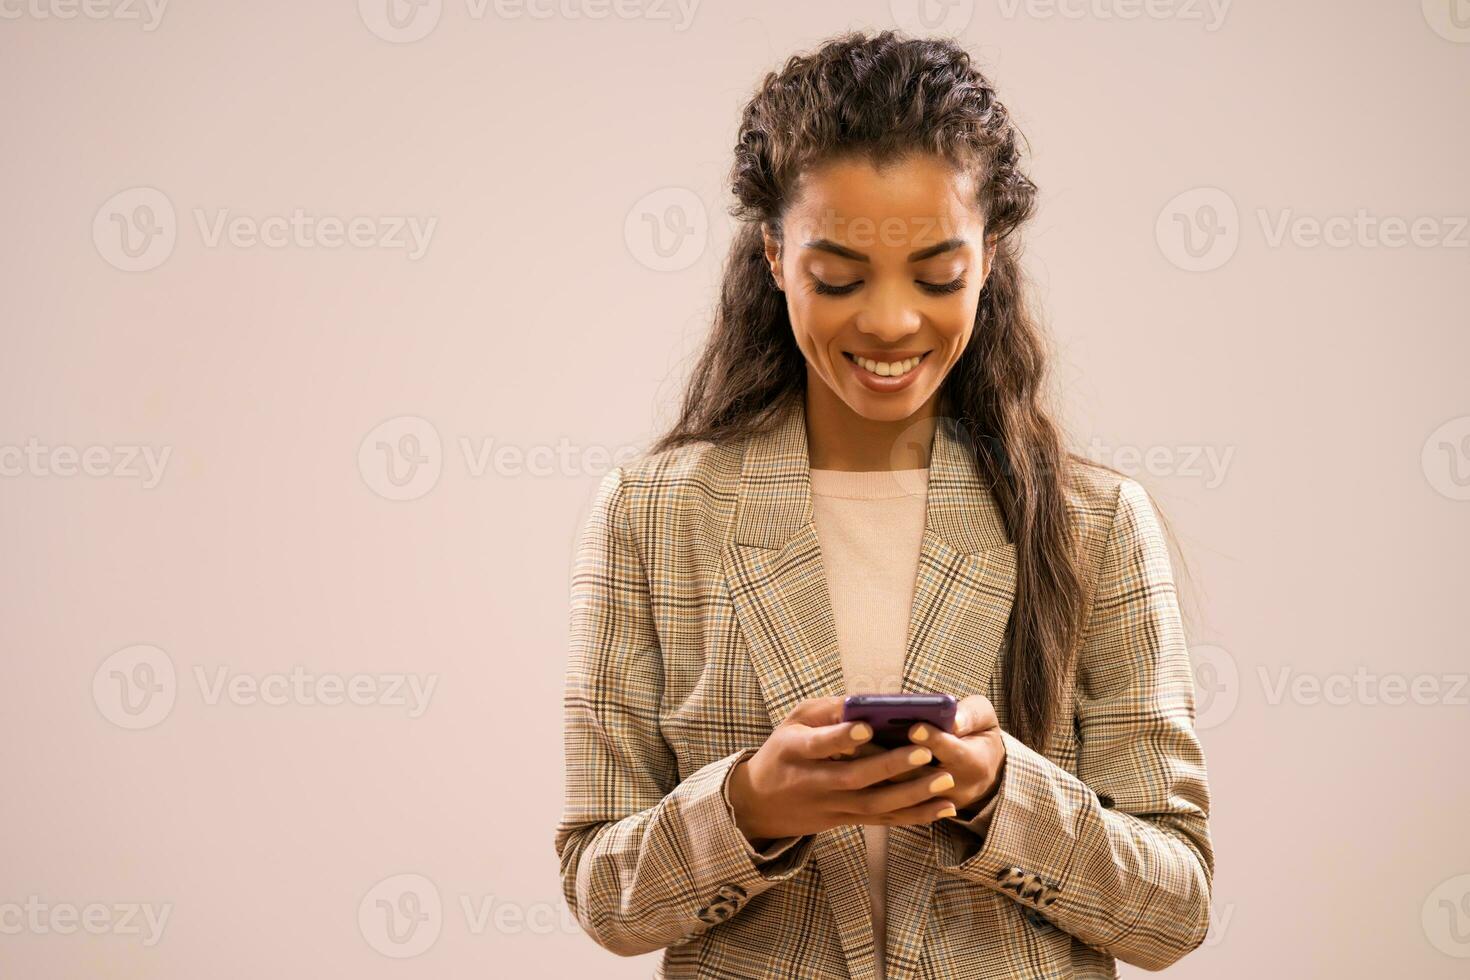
(920, 734)
(861, 731)
(941, 782)
(948, 811)
(920, 756)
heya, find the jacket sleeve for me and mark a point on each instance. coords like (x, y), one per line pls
(647, 860)
(1119, 856)
(979, 822)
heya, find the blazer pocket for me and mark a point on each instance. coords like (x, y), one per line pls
(1016, 946)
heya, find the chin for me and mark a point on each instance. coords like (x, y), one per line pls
(876, 408)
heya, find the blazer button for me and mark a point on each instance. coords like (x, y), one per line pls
(733, 892)
(1012, 879)
(725, 904)
(1034, 888)
(1105, 800)
(1038, 920)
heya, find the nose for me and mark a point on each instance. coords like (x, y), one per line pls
(889, 315)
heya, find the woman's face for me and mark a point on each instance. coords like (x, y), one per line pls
(880, 269)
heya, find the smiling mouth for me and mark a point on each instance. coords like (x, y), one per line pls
(887, 369)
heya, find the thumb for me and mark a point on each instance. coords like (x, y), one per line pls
(816, 712)
(974, 714)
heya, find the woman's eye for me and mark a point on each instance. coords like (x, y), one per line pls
(941, 289)
(932, 288)
(828, 289)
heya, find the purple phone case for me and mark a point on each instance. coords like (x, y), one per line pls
(891, 715)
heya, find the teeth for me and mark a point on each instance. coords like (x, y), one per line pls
(885, 369)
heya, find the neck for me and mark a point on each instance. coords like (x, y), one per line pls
(840, 439)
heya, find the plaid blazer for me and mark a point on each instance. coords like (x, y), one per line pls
(700, 616)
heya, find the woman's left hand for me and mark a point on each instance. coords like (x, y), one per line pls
(974, 754)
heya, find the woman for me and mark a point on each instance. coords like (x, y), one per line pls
(772, 553)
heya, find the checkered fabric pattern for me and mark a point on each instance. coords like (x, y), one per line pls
(700, 617)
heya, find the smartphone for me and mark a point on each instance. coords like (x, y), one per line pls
(892, 715)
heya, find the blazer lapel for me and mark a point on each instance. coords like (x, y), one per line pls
(962, 601)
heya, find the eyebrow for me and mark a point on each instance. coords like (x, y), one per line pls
(827, 245)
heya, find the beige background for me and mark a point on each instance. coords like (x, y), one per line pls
(1299, 409)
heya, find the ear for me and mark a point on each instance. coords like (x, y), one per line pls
(988, 260)
(773, 256)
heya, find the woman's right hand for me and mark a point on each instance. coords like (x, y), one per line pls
(808, 777)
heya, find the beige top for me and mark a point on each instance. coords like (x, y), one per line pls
(870, 525)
